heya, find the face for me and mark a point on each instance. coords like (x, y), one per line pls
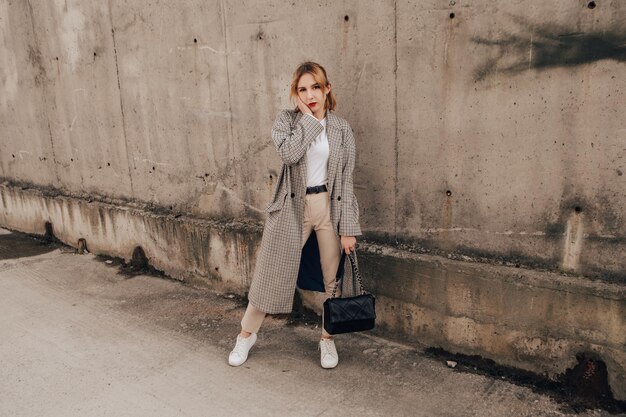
(312, 94)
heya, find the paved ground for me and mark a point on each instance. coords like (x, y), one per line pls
(78, 338)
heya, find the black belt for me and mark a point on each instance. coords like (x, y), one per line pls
(317, 189)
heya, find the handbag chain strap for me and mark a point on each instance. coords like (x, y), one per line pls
(355, 273)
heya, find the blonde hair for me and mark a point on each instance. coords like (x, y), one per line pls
(319, 75)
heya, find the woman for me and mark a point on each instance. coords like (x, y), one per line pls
(314, 195)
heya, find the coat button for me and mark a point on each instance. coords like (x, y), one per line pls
(339, 198)
(293, 195)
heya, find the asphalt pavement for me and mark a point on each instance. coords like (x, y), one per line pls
(80, 335)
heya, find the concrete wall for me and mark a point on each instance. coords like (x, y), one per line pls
(487, 132)
(479, 134)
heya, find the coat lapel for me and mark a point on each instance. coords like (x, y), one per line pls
(303, 164)
(333, 131)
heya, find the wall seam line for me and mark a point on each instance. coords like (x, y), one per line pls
(44, 96)
(230, 101)
(396, 138)
(119, 89)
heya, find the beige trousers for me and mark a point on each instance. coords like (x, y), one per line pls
(316, 217)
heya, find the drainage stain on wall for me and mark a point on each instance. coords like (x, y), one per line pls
(573, 240)
(446, 221)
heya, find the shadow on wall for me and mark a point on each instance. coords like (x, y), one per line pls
(548, 46)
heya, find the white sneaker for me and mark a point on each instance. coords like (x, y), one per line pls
(240, 353)
(328, 358)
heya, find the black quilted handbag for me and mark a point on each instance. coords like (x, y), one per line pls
(350, 314)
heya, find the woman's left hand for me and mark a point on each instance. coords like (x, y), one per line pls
(348, 243)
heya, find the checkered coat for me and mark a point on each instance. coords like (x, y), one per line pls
(274, 281)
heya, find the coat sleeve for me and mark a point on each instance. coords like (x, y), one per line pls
(349, 221)
(292, 142)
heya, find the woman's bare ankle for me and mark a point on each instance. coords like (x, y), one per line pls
(245, 334)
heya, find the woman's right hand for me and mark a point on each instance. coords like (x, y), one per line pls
(303, 107)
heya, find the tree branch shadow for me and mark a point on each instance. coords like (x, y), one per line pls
(548, 46)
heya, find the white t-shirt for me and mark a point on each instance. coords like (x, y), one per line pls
(317, 159)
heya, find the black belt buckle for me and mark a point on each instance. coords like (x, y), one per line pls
(317, 189)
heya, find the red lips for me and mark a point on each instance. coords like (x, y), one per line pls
(312, 104)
